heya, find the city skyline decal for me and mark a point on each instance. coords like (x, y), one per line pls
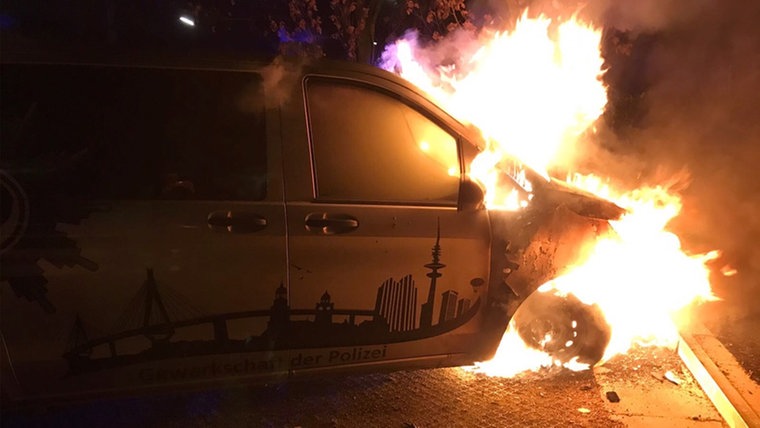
(393, 319)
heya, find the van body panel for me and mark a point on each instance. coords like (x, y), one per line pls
(381, 254)
(183, 224)
(153, 220)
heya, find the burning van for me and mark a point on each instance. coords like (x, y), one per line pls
(169, 225)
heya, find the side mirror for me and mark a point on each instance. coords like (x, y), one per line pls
(471, 196)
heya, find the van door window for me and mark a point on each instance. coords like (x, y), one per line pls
(138, 133)
(368, 146)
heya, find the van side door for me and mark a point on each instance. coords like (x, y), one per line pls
(384, 267)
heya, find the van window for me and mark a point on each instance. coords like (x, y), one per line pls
(368, 146)
(136, 133)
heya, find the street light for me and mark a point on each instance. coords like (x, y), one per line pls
(187, 21)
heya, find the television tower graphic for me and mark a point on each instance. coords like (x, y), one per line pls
(426, 311)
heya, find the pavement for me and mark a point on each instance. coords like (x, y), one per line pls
(655, 390)
(700, 384)
(722, 345)
(728, 385)
(646, 387)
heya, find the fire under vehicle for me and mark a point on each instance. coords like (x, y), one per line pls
(167, 224)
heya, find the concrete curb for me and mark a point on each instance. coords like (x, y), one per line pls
(728, 386)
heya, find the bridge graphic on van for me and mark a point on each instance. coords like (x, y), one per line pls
(393, 319)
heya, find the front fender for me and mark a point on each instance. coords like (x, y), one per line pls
(528, 249)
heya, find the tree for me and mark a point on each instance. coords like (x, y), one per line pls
(434, 19)
(330, 28)
(354, 30)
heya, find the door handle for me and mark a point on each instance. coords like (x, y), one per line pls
(236, 221)
(330, 224)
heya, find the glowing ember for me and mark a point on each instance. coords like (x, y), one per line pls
(533, 92)
(728, 271)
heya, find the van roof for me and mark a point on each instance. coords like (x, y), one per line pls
(192, 61)
(205, 61)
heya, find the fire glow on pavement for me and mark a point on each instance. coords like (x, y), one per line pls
(535, 93)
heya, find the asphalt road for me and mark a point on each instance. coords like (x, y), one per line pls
(451, 397)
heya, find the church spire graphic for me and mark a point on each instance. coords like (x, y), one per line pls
(426, 312)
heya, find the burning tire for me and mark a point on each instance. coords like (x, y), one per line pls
(563, 326)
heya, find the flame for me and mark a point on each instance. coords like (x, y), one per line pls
(533, 92)
(532, 95)
(640, 276)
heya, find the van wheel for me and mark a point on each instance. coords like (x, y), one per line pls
(563, 327)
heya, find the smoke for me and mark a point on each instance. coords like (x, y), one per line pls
(453, 52)
(696, 108)
(626, 15)
(643, 15)
(684, 79)
(280, 77)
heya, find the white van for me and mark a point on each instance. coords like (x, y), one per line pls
(167, 224)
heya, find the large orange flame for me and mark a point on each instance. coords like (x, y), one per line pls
(640, 277)
(533, 92)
